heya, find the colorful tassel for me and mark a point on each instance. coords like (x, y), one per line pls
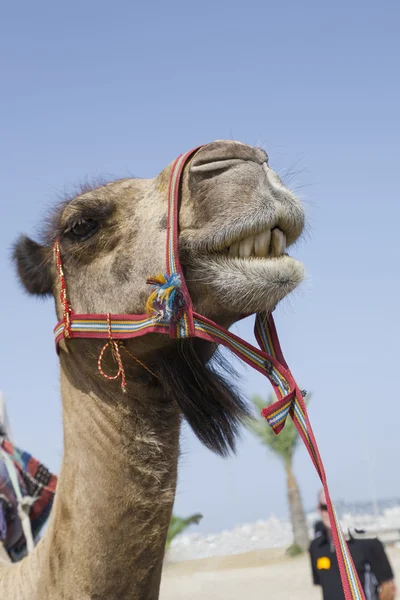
(166, 299)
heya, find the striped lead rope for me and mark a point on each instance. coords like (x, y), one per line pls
(293, 404)
(270, 361)
(276, 415)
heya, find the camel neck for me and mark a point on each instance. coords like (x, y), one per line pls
(115, 493)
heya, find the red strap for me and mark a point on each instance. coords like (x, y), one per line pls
(298, 412)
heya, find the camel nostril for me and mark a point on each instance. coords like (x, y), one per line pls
(221, 155)
(220, 165)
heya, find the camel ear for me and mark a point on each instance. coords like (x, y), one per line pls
(34, 266)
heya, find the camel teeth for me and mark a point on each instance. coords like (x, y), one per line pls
(265, 244)
(261, 244)
(246, 247)
(278, 242)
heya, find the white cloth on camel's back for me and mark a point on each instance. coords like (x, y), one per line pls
(5, 428)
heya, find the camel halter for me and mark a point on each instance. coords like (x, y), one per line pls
(170, 311)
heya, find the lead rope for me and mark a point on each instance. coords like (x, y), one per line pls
(295, 406)
(270, 362)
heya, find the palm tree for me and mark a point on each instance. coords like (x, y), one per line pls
(284, 446)
(178, 524)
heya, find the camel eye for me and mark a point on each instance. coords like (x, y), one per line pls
(83, 229)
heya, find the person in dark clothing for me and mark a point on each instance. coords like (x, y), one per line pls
(319, 529)
(369, 557)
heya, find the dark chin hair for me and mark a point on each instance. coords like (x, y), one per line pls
(191, 376)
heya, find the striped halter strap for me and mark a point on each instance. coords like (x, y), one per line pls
(170, 311)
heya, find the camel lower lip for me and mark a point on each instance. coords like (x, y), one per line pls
(224, 260)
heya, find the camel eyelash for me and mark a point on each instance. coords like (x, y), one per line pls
(74, 223)
(97, 214)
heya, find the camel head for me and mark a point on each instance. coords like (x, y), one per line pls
(236, 220)
(236, 223)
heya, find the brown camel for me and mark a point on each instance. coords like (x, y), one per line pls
(107, 533)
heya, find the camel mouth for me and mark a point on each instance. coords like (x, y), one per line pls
(270, 243)
(248, 272)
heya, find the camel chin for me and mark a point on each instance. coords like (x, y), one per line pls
(248, 285)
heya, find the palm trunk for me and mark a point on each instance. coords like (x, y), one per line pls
(297, 515)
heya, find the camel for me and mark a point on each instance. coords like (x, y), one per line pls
(107, 532)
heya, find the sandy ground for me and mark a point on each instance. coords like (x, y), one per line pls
(263, 574)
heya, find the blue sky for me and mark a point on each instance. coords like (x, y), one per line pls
(93, 89)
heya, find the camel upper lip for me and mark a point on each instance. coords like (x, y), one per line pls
(221, 239)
